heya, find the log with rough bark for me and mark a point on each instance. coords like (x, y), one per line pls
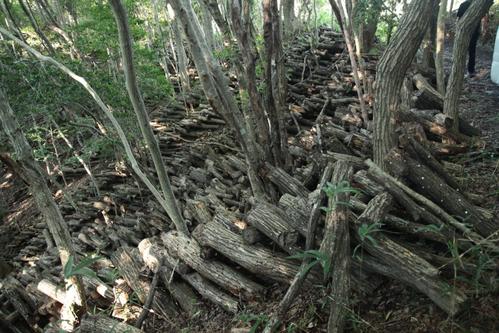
(427, 97)
(254, 258)
(274, 223)
(101, 324)
(228, 278)
(153, 251)
(129, 263)
(425, 181)
(399, 262)
(285, 182)
(336, 246)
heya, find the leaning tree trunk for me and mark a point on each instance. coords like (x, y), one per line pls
(440, 47)
(464, 30)
(142, 116)
(391, 71)
(207, 22)
(74, 304)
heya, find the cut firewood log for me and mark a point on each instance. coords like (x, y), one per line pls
(442, 236)
(432, 127)
(254, 258)
(129, 263)
(400, 263)
(199, 210)
(252, 235)
(298, 211)
(427, 97)
(285, 182)
(274, 223)
(52, 290)
(22, 302)
(434, 187)
(336, 246)
(426, 157)
(101, 324)
(153, 252)
(180, 246)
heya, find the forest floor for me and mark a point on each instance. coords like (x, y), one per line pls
(393, 307)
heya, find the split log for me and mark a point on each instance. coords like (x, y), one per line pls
(101, 324)
(400, 263)
(274, 223)
(336, 246)
(128, 261)
(189, 251)
(153, 253)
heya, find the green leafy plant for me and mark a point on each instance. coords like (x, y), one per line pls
(82, 268)
(255, 320)
(332, 190)
(317, 257)
(365, 232)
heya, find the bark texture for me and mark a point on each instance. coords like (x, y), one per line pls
(391, 70)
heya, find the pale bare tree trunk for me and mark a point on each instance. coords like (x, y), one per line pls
(342, 8)
(391, 69)
(464, 30)
(440, 47)
(142, 116)
(181, 55)
(75, 304)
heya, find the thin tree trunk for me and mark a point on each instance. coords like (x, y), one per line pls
(347, 33)
(142, 116)
(289, 18)
(35, 26)
(391, 71)
(207, 22)
(74, 304)
(4, 7)
(440, 47)
(275, 94)
(464, 30)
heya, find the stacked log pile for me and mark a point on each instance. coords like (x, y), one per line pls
(391, 225)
